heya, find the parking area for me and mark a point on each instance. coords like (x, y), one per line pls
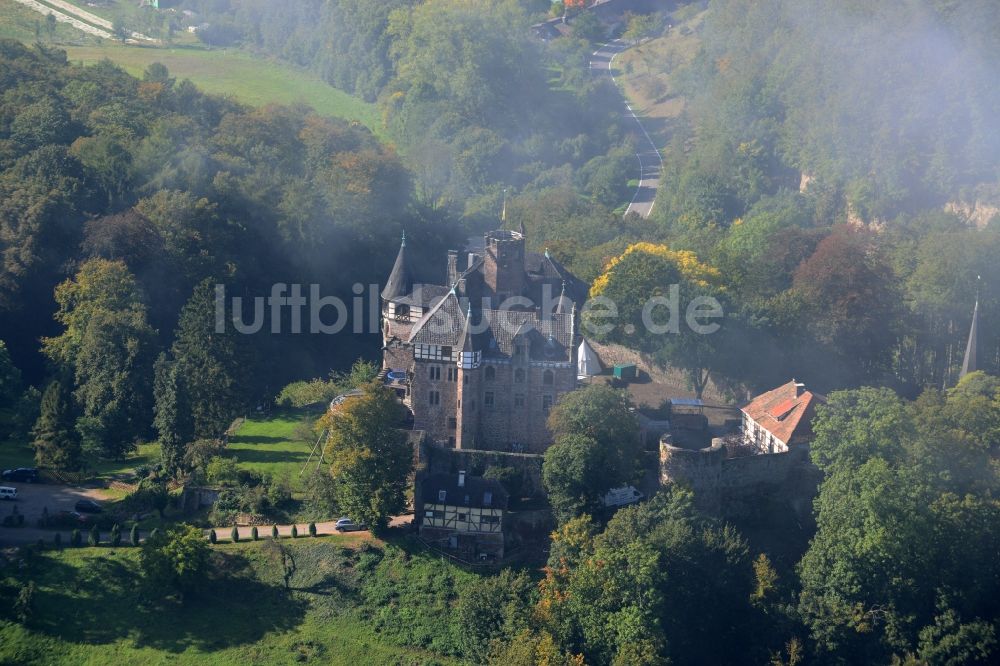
(32, 498)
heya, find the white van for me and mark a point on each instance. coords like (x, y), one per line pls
(8, 493)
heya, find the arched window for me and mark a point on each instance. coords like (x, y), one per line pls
(491, 373)
(519, 375)
(548, 378)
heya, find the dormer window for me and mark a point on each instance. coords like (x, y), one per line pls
(487, 498)
(442, 495)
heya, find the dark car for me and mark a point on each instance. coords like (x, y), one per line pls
(22, 474)
(69, 518)
(88, 506)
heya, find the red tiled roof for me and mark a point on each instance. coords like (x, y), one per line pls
(786, 412)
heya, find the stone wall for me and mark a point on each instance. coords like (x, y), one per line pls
(731, 486)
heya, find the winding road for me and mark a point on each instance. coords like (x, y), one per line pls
(650, 160)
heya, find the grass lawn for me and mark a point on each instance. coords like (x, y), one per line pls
(16, 454)
(278, 445)
(90, 608)
(231, 72)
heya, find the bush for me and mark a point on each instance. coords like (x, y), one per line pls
(312, 529)
(40, 545)
(116, 536)
(24, 607)
(234, 534)
(253, 533)
(295, 532)
(57, 541)
(211, 536)
(156, 531)
(133, 535)
(274, 531)
(75, 539)
(44, 520)
(94, 538)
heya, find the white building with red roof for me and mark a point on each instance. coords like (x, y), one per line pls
(780, 419)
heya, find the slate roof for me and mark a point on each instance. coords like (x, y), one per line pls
(400, 282)
(442, 324)
(786, 412)
(473, 494)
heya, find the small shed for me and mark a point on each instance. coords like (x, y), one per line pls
(587, 362)
(625, 372)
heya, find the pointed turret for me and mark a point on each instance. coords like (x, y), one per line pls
(400, 282)
(563, 303)
(971, 361)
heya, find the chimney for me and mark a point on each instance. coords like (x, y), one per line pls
(461, 479)
(800, 388)
(452, 267)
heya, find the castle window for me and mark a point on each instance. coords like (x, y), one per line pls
(434, 398)
(491, 373)
(487, 499)
(428, 514)
(452, 374)
(548, 378)
(546, 403)
(435, 372)
(442, 494)
(519, 375)
(452, 423)
(488, 399)
(519, 400)
(463, 517)
(446, 353)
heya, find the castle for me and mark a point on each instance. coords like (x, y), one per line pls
(480, 360)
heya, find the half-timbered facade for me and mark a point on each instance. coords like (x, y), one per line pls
(463, 514)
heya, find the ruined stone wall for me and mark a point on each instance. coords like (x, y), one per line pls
(730, 486)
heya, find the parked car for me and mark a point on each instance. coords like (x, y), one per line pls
(8, 493)
(22, 474)
(348, 525)
(69, 518)
(88, 506)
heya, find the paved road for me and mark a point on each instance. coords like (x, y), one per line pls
(81, 19)
(650, 161)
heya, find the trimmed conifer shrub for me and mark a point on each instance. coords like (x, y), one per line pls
(75, 539)
(116, 535)
(274, 531)
(234, 534)
(312, 529)
(211, 536)
(133, 535)
(253, 533)
(295, 532)
(94, 538)
(57, 541)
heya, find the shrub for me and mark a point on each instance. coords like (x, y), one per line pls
(295, 532)
(94, 539)
(44, 520)
(57, 541)
(75, 539)
(312, 529)
(116, 535)
(211, 536)
(40, 545)
(25, 605)
(156, 530)
(274, 531)
(253, 533)
(133, 535)
(234, 534)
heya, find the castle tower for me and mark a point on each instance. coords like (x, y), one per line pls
(503, 267)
